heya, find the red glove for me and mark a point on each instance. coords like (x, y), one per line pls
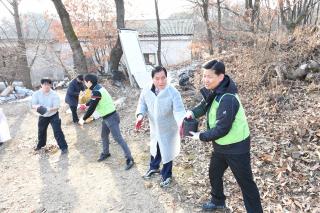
(82, 107)
(138, 124)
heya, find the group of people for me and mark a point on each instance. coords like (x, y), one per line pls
(161, 103)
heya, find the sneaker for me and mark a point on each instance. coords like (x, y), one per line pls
(210, 206)
(103, 157)
(166, 182)
(150, 172)
(64, 151)
(130, 163)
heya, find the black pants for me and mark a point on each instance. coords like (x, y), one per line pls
(241, 169)
(75, 118)
(55, 122)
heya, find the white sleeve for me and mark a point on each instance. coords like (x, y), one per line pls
(142, 107)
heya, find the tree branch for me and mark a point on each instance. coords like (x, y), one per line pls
(4, 32)
(232, 11)
(11, 12)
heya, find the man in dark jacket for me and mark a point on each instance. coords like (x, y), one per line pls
(228, 129)
(72, 96)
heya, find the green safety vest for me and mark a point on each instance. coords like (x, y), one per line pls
(105, 105)
(240, 128)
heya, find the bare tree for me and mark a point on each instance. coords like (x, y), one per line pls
(203, 5)
(219, 26)
(79, 59)
(317, 15)
(255, 15)
(116, 51)
(252, 11)
(295, 13)
(22, 65)
(159, 33)
(40, 39)
(248, 4)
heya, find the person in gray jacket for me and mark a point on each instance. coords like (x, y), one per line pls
(164, 107)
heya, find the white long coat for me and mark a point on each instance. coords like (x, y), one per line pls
(165, 112)
(4, 128)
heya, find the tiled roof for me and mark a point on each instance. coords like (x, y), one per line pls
(169, 27)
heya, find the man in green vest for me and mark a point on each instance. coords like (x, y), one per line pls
(228, 129)
(102, 103)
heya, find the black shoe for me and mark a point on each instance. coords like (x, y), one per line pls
(130, 163)
(75, 121)
(103, 157)
(1, 143)
(150, 172)
(64, 151)
(210, 206)
(37, 148)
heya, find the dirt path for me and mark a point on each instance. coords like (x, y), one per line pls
(47, 181)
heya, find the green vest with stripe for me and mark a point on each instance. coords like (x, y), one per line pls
(105, 105)
(240, 128)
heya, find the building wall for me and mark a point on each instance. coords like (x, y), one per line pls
(175, 50)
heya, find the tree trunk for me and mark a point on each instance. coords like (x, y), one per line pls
(248, 4)
(205, 5)
(219, 27)
(282, 13)
(296, 13)
(317, 16)
(159, 33)
(116, 51)
(22, 66)
(79, 59)
(255, 14)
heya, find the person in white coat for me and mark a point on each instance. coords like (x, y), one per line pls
(164, 107)
(4, 128)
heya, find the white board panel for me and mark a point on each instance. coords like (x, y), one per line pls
(134, 58)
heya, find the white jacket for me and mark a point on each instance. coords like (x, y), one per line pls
(4, 128)
(165, 112)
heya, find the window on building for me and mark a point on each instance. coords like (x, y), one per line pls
(150, 58)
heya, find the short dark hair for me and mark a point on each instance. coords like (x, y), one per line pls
(80, 77)
(46, 80)
(92, 78)
(158, 69)
(217, 66)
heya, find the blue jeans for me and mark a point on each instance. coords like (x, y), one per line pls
(241, 169)
(111, 124)
(166, 170)
(55, 122)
